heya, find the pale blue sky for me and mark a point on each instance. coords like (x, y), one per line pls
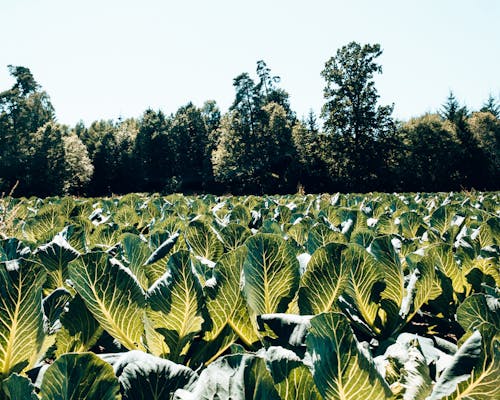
(101, 59)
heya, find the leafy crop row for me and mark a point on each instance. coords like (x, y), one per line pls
(336, 297)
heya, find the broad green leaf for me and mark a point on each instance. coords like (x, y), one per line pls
(442, 256)
(424, 285)
(104, 236)
(388, 261)
(156, 264)
(234, 235)
(340, 217)
(203, 242)
(271, 226)
(477, 310)
(282, 214)
(240, 215)
(76, 234)
(287, 330)
(204, 352)
(482, 385)
(481, 271)
(154, 341)
(55, 257)
(126, 217)
(162, 248)
(224, 299)
(175, 304)
(452, 222)
(53, 305)
(363, 238)
(12, 249)
(271, 273)
(79, 331)
(410, 224)
(291, 377)
(17, 387)
(325, 279)
(487, 234)
(362, 292)
(135, 253)
(442, 218)
(235, 377)
(470, 375)
(21, 316)
(299, 232)
(320, 235)
(341, 370)
(45, 225)
(386, 225)
(112, 294)
(80, 376)
(146, 377)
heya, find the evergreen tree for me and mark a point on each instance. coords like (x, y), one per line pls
(254, 149)
(46, 171)
(125, 136)
(100, 141)
(193, 164)
(451, 108)
(309, 145)
(470, 157)
(155, 152)
(485, 128)
(491, 106)
(24, 109)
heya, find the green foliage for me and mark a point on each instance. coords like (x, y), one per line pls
(258, 146)
(431, 161)
(238, 376)
(355, 124)
(21, 319)
(174, 306)
(24, 109)
(255, 147)
(80, 376)
(78, 166)
(341, 369)
(145, 377)
(190, 131)
(112, 294)
(18, 387)
(373, 296)
(271, 274)
(325, 279)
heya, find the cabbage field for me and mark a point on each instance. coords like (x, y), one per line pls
(341, 296)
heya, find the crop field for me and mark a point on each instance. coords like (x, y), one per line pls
(339, 296)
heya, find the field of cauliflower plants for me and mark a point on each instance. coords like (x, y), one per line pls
(341, 296)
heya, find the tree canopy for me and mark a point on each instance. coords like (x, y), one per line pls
(257, 146)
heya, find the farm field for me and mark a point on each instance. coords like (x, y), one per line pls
(344, 296)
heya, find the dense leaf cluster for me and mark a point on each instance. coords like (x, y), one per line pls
(258, 146)
(334, 297)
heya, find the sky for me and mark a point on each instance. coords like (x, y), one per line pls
(105, 59)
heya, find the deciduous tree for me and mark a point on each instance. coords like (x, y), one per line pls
(352, 117)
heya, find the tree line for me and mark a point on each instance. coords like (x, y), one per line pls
(258, 146)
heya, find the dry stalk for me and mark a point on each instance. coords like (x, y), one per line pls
(8, 213)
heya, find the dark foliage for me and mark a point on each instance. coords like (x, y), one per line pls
(258, 146)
